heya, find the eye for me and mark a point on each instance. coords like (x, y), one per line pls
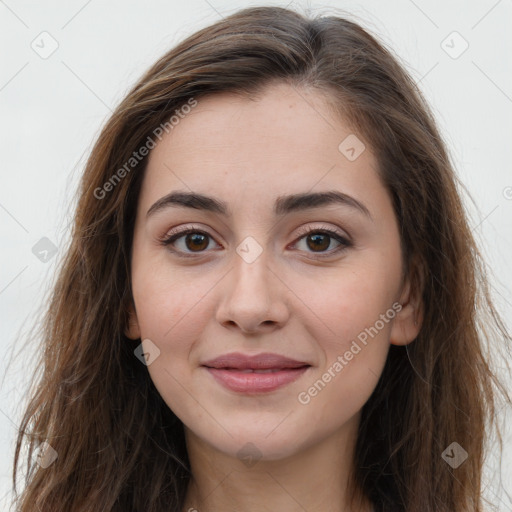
(194, 240)
(320, 239)
(186, 242)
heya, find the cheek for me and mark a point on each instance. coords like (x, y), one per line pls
(168, 302)
(171, 313)
(351, 323)
(352, 327)
(349, 300)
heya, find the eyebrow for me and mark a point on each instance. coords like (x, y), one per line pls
(283, 204)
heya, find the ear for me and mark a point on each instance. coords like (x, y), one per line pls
(407, 322)
(132, 330)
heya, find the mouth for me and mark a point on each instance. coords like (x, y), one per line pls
(255, 373)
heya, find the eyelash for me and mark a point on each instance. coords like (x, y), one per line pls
(171, 237)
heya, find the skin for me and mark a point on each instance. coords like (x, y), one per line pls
(288, 300)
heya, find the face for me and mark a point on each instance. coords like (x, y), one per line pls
(257, 267)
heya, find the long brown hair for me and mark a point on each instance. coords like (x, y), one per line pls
(119, 447)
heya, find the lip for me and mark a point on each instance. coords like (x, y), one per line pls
(237, 380)
(233, 371)
(264, 361)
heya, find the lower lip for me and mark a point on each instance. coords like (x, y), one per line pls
(255, 382)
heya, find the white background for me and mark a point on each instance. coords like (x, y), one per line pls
(52, 110)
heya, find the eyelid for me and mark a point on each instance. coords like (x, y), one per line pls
(183, 230)
(306, 230)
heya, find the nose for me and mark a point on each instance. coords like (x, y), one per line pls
(253, 297)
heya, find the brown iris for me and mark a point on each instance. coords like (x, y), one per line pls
(319, 240)
(196, 241)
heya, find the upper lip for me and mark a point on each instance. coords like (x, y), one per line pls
(263, 361)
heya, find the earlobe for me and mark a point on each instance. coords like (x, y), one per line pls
(132, 329)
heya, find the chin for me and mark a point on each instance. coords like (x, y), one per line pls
(256, 443)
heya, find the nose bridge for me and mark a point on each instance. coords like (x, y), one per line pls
(253, 296)
(251, 272)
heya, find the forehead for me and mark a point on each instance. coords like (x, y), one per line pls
(283, 120)
(285, 141)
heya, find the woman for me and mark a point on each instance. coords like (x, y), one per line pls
(270, 290)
